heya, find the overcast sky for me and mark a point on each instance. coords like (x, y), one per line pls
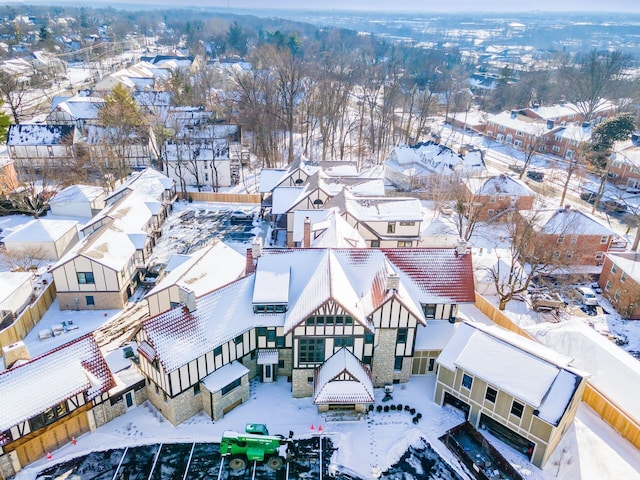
(452, 6)
(432, 5)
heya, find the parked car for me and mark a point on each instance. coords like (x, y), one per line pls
(588, 196)
(613, 206)
(516, 168)
(586, 296)
(535, 175)
(241, 215)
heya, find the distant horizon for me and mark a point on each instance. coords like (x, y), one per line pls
(399, 6)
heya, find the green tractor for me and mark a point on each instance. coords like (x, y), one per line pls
(255, 444)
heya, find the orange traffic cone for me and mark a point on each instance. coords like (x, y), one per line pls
(319, 428)
(73, 440)
(49, 456)
(312, 427)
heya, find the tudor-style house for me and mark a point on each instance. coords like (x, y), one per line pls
(292, 316)
(36, 145)
(521, 392)
(42, 409)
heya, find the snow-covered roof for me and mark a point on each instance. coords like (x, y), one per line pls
(271, 178)
(384, 209)
(10, 282)
(435, 335)
(108, 246)
(223, 376)
(41, 230)
(267, 356)
(520, 123)
(30, 388)
(354, 279)
(571, 221)
(79, 107)
(148, 183)
(499, 185)
(574, 132)
(39, 134)
(328, 229)
(284, 198)
(343, 379)
(78, 194)
(613, 371)
(431, 158)
(515, 365)
(628, 262)
(205, 270)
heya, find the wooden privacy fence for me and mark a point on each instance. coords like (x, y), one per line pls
(29, 317)
(222, 197)
(609, 410)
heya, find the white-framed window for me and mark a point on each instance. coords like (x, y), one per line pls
(502, 128)
(623, 277)
(569, 154)
(542, 148)
(500, 137)
(574, 239)
(560, 239)
(519, 133)
(599, 255)
(616, 296)
(556, 148)
(493, 199)
(604, 239)
(467, 381)
(607, 287)
(517, 143)
(491, 212)
(489, 134)
(614, 268)
(500, 197)
(569, 255)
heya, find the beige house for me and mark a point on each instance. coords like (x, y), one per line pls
(82, 201)
(43, 238)
(295, 311)
(16, 290)
(521, 392)
(99, 273)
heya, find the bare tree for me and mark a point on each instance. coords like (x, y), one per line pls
(594, 76)
(526, 258)
(24, 258)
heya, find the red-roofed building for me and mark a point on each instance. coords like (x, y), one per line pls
(294, 311)
(48, 400)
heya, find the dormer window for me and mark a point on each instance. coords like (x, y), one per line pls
(270, 308)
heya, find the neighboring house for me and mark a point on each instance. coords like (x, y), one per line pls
(576, 238)
(624, 164)
(528, 133)
(524, 394)
(429, 165)
(48, 400)
(100, 272)
(106, 266)
(324, 229)
(36, 145)
(205, 154)
(203, 271)
(293, 311)
(43, 239)
(385, 222)
(497, 196)
(79, 111)
(16, 291)
(620, 282)
(82, 201)
(139, 77)
(108, 146)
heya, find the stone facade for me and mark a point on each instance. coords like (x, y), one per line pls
(216, 404)
(285, 355)
(105, 412)
(300, 384)
(177, 409)
(102, 300)
(382, 372)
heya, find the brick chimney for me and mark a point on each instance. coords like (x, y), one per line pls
(306, 238)
(249, 267)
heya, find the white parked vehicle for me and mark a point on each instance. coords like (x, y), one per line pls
(587, 296)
